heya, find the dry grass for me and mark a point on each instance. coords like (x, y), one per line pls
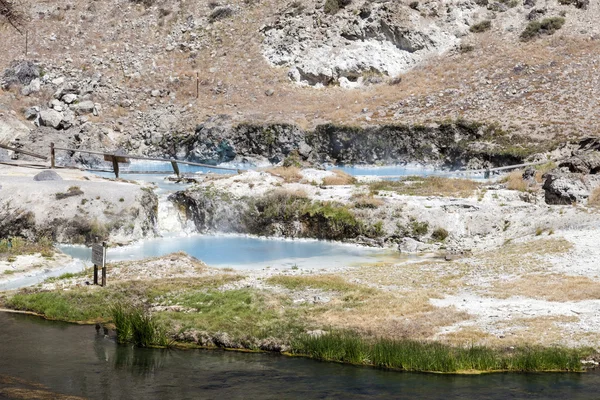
(390, 316)
(366, 201)
(594, 199)
(515, 181)
(551, 287)
(324, 282)
(340, 178)
(289, 174)
(430, 186)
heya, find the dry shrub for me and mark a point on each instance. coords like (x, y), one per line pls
(514, 181)
(429, 186)
(340, 178)
(594, 199)
(366, 201)
(296, 193)
(289, 174)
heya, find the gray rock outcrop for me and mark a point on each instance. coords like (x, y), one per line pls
(323, 46)
(563, 188)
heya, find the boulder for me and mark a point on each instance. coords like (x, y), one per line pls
(567, 188)
(585, 163)
(33, 87)
(85, 107)
(69, 98)
(20, 73)
(31, 113)
(47, 175)
(51, 118)
(410, 245)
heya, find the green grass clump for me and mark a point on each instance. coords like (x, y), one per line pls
(333, 6)
(547, 26)
(135, 325)
(481, 26)
(239, 312)
(410, 355)
(76, 305)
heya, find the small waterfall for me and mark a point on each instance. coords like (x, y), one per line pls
(169, 218)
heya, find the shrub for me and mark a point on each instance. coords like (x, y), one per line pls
(439, 234)
(292, 160)
(547, 26)
(220, 13)
(333, 6)
(481, 26)
(594, 199)
(339, 178)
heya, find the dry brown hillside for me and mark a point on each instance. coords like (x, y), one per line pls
(548, 86)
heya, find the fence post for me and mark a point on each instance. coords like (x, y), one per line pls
(104, 264)
(175, 167)
(52, 162)
(115, 166)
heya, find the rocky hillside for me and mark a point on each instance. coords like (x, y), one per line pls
(134, 74)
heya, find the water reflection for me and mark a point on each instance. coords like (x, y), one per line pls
(77, 361)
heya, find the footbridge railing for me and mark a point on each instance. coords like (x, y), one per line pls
(117, 159)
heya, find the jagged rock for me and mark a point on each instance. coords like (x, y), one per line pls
(20, 73)
(69, 98)
(85, 107)
(410, 245)
(384, 37)
(568, 188)
(585, 163)
(51, 118)
(269, 92)
(47, 175)
(33, 87)
(31, 113)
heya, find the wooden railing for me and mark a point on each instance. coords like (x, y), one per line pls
(28, 153)
(117, 159)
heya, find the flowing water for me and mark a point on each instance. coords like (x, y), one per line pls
(40, 357)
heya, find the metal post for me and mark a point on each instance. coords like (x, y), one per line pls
(52, 155)
(95, 274)
(115, 165)
(197, 85)
(175, 167)
(104, 265)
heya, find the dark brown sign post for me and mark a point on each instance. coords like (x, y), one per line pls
(99, 260)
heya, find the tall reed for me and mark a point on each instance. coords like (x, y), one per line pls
(135, 325)
(410, 355)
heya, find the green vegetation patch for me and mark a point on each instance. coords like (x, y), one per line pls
(239, 312)
(481, 26)
(17, 246)
(135, 325)
(324, 282)
(320, 219)
(411, 355)
(547, 26)
(93, 303)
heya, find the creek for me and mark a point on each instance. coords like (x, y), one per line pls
(58, 358)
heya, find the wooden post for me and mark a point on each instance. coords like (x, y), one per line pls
(104, 265)
(52, 160)
(95, 274)
(26, 42)
(115, 163)
(175, 167)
